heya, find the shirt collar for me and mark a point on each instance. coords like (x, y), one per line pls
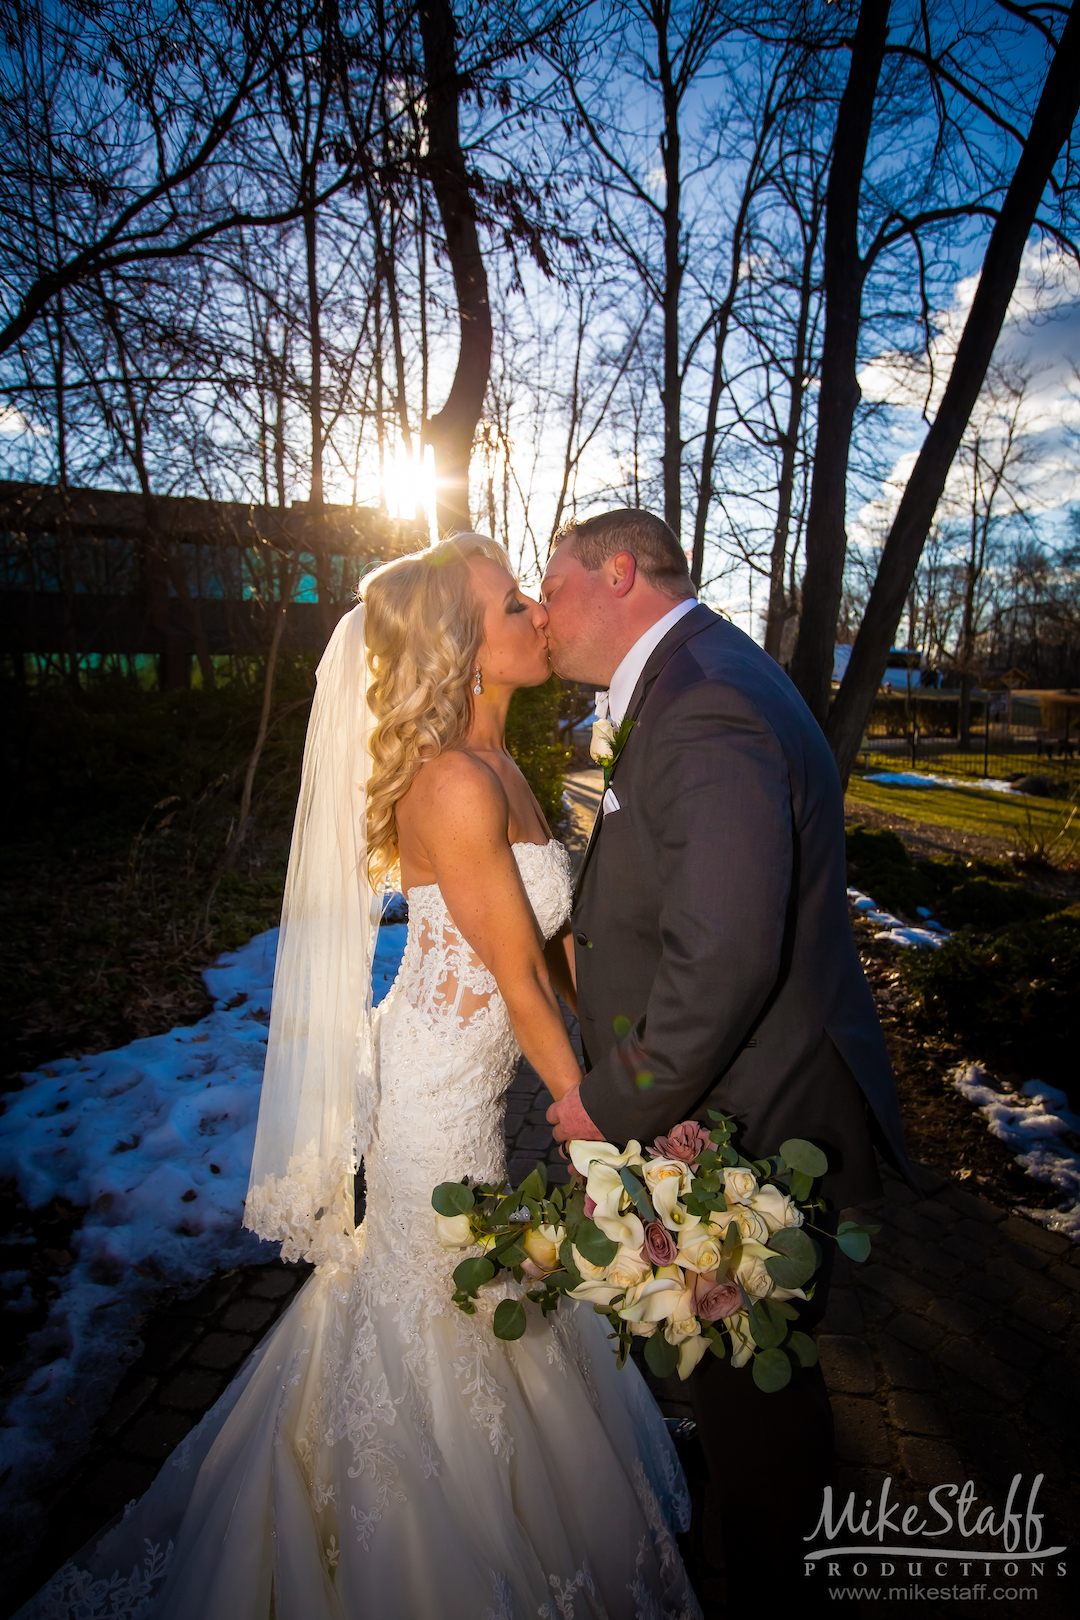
(626, 676)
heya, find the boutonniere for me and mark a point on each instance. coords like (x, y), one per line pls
(608, 742)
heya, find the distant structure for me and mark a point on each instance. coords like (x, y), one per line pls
(92, 572)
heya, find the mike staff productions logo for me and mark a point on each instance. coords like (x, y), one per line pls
(975, 1552)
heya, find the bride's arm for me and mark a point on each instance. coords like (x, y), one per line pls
(562, 965)
(460, 817)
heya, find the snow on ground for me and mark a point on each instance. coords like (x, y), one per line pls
(900, 933)
(155, 1141)
(1034, 1126)
(908, 779)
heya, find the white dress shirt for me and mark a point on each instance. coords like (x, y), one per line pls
(614, 703)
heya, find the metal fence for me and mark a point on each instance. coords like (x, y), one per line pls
(1010, 735)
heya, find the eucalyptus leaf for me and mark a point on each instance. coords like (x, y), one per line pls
(716, 1340)
(637, 1192)
(766, 1329)
(473, 1273)
(772, 1370)
(510, 1320)
(856, 1245)
(804, 1156)
(803, 1348)
(800, 1185)
(452, 1198)
(566, 1255)
(661, 1357)
(593, 1244)
(796, 1262)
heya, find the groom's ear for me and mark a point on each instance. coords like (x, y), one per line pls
(622, 570)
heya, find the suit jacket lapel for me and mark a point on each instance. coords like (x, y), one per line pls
(697, 619)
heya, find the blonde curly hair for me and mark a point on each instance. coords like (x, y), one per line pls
(423, 627)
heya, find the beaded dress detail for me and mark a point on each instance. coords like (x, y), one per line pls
(381, 1455)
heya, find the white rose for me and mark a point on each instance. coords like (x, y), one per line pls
(753, 1277)
(682, 1324)
(658, 1170)
(628, 1268)
(751, 1225)
(453, 1231)
(666, 1204)
(739, 1185)
(777, 1208)
(542, 1247)
(583, 1154)
(625, 1230)
(644, 1330)
(602, 746)
(699, 1249)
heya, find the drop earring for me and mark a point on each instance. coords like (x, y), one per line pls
(478, 685)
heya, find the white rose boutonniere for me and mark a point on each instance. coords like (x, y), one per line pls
(608, 742)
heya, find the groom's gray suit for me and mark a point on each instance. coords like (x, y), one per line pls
(716, 969)
(711, 921)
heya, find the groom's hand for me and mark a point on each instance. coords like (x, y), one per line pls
(569, 1122)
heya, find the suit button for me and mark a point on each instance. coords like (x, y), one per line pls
(582, 939)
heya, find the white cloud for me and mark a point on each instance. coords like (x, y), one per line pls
(1038, 351)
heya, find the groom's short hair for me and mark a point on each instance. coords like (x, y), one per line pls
(652, 544)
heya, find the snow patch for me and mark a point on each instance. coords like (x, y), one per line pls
(155, 1140)
(1035, 1126)
(909, 779)
(900, 933)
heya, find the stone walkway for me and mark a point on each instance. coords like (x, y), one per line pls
(951, 1355)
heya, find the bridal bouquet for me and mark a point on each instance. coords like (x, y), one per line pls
(688, 1245)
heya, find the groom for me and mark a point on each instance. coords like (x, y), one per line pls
(716, 967)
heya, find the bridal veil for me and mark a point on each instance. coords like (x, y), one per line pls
(319, 1085)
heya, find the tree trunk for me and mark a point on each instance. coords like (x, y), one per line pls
(451, 431)
(1050, 127)
(826, 532)
(315, 494)
(778, 603)
(671, 393)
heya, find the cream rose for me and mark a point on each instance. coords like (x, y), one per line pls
(644, 1330)
(542, 1247)
(682, 1324)
(752, 1276)
(739, 1185)
(776, 1208)
(666, 1203)
(658, 1170)
(699, 1249)
(751, 1225)
(453, 1231)
(628, 1268)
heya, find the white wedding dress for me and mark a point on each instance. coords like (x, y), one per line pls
(381, 1455)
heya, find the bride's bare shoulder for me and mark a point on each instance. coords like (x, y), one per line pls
(453, 788)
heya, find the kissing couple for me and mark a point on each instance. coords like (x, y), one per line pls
(382, 1456)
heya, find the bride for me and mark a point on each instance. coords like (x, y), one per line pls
(382, 1456)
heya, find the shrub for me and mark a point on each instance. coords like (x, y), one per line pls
(532, 736)
(881, 866)
(1007, 996)
(981, 902)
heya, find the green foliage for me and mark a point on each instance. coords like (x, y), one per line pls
(803, 1156)
(452, 1198)
(959, 892)
(509, 1321)
(986, 902)
(880, 865)
(661, 1357)
(1006, 996)
(532, 736)
(796, 1261)
(772, 1370)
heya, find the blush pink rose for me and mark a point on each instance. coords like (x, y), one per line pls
(659, 1245)
(687, 1142)
(714, 1300)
